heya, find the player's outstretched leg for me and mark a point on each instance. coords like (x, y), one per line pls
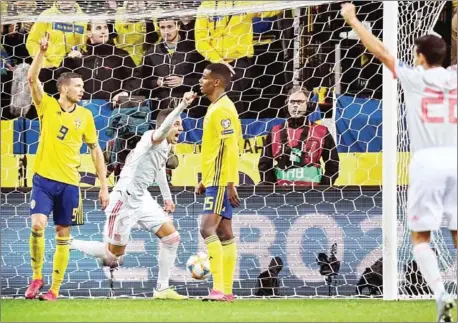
(60, 262)
(429, 267)
(115, 236)
(37, 251)
(229, 256)
(170, 240)
(97, 249)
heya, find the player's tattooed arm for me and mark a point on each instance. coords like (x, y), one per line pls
(97, 158)
(99, 162)
(93, 146)
(101, 169)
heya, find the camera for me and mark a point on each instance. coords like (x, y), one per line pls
(329, 266)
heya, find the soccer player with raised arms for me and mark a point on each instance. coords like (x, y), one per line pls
(64, 126)
(132, 204)
(220, 157)
(431, 107)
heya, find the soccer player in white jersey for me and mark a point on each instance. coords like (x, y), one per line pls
(431, 105)
(131, 203)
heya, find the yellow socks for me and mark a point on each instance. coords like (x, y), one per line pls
(60, 262)
(229, 262)
(61, 256)
(37, 252)
(215, 254)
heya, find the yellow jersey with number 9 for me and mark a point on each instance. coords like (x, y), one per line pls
(220, 144)
(61, 136)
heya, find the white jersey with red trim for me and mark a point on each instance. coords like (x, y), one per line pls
(431, 105)
(142, 166)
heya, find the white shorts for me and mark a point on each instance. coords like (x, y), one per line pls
(432, 190)
(122, 215)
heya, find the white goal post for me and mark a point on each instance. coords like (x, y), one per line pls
(390, 152)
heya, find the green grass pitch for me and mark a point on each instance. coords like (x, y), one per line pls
(148, 310)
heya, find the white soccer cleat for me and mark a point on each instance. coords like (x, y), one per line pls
(111, 263)
(168, 293)
(445, 304)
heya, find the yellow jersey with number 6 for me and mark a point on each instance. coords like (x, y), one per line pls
(61, 136)
(220, 148)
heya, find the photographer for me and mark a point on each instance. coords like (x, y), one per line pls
(293, 151)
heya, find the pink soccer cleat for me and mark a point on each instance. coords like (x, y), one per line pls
(49, 296)
(34, 288)
(215, 296)
(230, 297)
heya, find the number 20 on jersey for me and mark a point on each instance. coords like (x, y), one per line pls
(438, 98)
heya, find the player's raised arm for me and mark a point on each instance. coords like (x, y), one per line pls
(372, 43)
(161, 133)
(34, 72)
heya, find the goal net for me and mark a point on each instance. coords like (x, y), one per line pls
(321, 239)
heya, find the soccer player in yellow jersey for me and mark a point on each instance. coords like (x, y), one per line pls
(220, 156)
(64, 126)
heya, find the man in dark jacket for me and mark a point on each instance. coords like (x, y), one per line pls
(170, 68)
(293, 151)
(104, 67)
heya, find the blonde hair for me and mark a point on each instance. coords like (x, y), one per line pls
(298, 89)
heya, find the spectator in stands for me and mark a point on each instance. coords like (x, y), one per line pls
(16, 34)
(187, 26)
(135, 35)
(5, 62)
(187, 22)
(13, 53)
(6, 75)
(171, 67)
(63, 37)
(229, 40)
(104, 67)
(293, 150)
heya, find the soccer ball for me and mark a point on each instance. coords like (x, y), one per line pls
(199, 266)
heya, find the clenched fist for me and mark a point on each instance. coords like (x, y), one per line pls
(348, 12)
